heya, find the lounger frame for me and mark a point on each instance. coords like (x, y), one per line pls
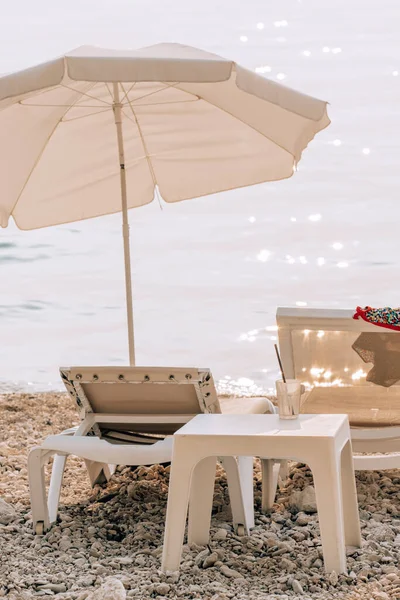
(381, 445)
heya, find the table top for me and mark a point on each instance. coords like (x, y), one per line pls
(313, 426)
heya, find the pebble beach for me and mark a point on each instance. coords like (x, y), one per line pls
(107, 543)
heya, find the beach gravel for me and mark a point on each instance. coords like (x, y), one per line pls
(107, 542)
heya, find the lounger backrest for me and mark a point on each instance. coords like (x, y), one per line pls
(152, 391)
(316, 347)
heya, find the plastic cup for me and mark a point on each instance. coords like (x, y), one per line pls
(289, 398)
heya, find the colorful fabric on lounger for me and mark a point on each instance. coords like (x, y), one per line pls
(382, 350)
(383, 317)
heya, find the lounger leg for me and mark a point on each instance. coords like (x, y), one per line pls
(352, 529)
(99, 472)
(201, 499)
(269, 482)
(239, 472)
(57, 474)
(37, 489)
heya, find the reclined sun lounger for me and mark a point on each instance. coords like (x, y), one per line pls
(127, 417)
(324, 349)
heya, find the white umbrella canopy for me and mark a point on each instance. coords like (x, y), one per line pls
(77, 132)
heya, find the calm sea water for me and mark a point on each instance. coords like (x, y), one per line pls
(209, 274)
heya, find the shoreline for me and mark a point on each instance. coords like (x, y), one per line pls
(113, 533)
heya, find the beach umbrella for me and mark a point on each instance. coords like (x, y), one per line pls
(98, 131)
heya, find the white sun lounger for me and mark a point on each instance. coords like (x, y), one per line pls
(128, 415)
(316, 347)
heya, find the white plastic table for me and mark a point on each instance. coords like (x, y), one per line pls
(320, 441)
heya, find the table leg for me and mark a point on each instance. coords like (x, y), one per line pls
(201, 499)
(239, 473)
(269, 481)
(328, 489)
(178, 499)
(352, 529)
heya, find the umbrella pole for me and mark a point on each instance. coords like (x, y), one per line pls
(125, 224)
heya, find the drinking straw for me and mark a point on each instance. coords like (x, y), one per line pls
(280, 363)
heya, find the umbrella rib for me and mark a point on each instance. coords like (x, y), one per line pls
(172, 102)
(86, 94)
(92, 114)
(22, 103)
(150, 164)
(126, 94)
(166, 87)
(110, 92)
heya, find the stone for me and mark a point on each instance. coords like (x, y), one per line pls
(111, 589)
(162, 589)
(304, 500)
(8, 513)
(333, 578)
(57, 588)
(302, 519)
(210, 560)
(220, 534)
(297, 587)
(230, 573)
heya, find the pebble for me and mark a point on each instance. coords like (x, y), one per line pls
(210, 560)
(111, 589)
(7, 512)
(231, 573)
(297, 587)
(220, 534)
(108, 541)
(162, 589)
(304, 500)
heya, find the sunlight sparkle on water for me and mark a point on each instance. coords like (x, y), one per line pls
(336, 50)
(342, 265)
(326, 49)
(244, 38)
(281, 39)
(315, 217)
(337, 246)
(263, 69)
(264, 255)
(366, 151)
(301, 303)
(281, 76)
(272, 328)
(303, 260)
(306, 53)
(252, 219)
(250, 336)
(290, 259)
(395, 73)
(320, 261)
(283, 23)
(337, 142)
(293, 219)
(239, 387)
(260, 25)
